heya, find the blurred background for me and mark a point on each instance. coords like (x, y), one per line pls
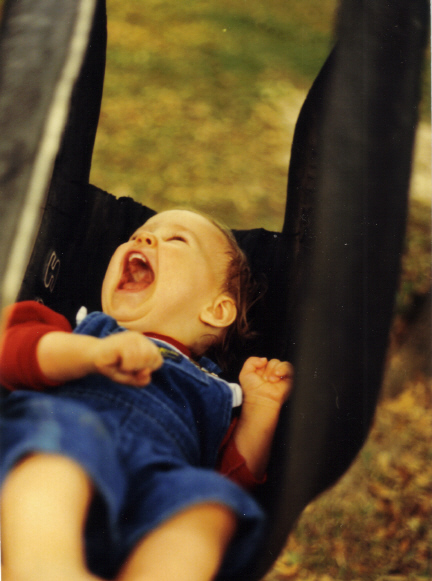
(199, 108)
(200, 102)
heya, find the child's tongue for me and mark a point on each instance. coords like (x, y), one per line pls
(136, 276)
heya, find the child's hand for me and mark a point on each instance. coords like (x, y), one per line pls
(266, 385)
(266, 381)
(127, 357)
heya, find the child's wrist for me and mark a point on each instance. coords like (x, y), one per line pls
(261, 402)
(64, 356)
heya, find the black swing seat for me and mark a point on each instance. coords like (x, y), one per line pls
(331, 274)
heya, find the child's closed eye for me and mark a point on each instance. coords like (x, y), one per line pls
(177, 237)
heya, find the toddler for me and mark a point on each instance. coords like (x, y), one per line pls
(110, 472)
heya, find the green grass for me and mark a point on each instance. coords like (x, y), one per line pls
(200, 102)
(193, 101)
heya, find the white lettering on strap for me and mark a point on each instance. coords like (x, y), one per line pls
(51, 271)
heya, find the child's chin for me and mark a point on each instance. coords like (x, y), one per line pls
(125, 310)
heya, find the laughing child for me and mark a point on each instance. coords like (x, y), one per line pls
(113, 431)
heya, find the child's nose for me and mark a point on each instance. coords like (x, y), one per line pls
(147, 239)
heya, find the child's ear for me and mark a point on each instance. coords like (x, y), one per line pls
(221, 313)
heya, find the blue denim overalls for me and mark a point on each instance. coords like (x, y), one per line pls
(149, 451)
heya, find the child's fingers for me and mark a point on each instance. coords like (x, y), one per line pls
(139, 378)
(139, 354)
(253, 363)
(128, 358)
(135, 379)
(136, 362)
(252, 367)
(270, 370)
(277, 370)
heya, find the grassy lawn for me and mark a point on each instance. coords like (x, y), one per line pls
(200, 102)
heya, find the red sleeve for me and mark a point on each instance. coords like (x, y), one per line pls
(233, 465)
(24, 325)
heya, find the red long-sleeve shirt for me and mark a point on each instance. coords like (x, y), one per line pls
(26, 323)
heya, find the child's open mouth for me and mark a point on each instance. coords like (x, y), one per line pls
(137, 273)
